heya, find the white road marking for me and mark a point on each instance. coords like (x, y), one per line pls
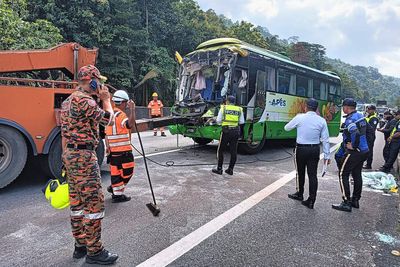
(182, 246)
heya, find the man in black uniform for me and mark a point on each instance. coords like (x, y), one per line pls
(394, 146)
(373, 121)
(230, 117)
(386, 130)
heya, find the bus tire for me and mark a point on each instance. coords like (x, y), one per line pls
(53, 161)
(13, 154)
(202, 141)
(250, 149)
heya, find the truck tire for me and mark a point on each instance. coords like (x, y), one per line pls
(251, 148)
(13, 154)
(53, 161)
(202, 141)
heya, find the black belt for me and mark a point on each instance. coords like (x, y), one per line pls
(307, 145)
(81, 146)
(230, 127)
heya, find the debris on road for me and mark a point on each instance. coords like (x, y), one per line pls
(380, 181)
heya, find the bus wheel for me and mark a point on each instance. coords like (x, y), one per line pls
(251, 148)
(13, 154)
(201, 141)
(53, 161)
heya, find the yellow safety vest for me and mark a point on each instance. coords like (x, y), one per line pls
(370, 117)
(394, 129)
(231, 115)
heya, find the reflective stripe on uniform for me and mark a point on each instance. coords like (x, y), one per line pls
(118, 136)
(340, 176)
(94, 216)
(114, 127)
(118, 187)
(125, 143)
(76, 213)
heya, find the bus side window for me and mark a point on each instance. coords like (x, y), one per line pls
(320, 90)
(270, 79)
(324, 91)
(302, 86)
(310, 88)
(286, 82)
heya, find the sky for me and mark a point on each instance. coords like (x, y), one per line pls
(359, 32)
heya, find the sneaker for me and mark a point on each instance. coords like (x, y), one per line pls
(79, 252)
(103, 257)
(217, 171)
(120, 198)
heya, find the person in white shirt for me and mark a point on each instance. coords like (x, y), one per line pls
(311, 130)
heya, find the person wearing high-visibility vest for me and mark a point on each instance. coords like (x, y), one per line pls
(373, 121)
(394, 145)
(229, 116)
(155, 107)
(119, 147)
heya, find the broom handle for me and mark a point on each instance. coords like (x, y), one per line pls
(145, 164)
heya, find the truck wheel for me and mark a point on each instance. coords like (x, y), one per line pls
(13, 154)
(251, 148)
(54, 161)
(201, 141)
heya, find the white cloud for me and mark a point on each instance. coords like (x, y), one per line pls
(267, 8)
(362, 32)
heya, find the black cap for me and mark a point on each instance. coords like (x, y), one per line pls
(231, 99)
(349, 102)
(372, 107)
(312, 104)
(387, 112)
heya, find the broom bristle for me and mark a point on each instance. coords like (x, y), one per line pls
(153, 208)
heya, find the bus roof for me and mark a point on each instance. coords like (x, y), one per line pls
(214, 44)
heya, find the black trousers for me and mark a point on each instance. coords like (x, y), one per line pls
(371, 151)
(307, 157)
(228, 137)
(386, 151)
(352, 164)
(394, 148)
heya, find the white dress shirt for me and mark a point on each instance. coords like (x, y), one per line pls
(311, 129)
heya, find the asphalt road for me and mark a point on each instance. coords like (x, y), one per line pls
(276, 231)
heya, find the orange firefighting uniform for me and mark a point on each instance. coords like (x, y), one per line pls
(118, 140)
(155, 107)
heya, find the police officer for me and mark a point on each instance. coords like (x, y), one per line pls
(356, 152)
(229, 116)
(80, 119)
(390, 123)
(311, 130)
(119, 147)
(394, 145)
(373, 121)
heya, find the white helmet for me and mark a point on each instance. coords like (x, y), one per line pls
(120, 96)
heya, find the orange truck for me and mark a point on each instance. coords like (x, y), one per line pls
(29, 108)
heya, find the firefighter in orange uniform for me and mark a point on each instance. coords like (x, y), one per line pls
(156, 111)
(119, 147)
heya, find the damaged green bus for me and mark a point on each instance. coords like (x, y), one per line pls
(270, 87)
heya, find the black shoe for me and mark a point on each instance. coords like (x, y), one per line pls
(79, 252)
(155, 134)
(354, 203)
(217, 171)
(296, 196)
(344, 206)
(103, 257)
(229, 171)
(163, 134)
(367, 167)
(109, 189)
(309, 203)
(120, 198)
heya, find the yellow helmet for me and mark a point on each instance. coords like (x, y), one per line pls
(57, 194)
(154, 94)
